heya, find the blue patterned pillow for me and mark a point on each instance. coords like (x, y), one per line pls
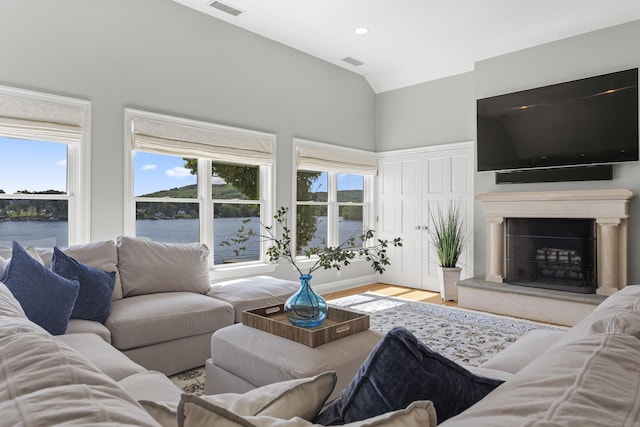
(96, 287)
(401, 370)
(47, 299)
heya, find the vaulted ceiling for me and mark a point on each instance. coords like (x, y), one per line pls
(413, 41)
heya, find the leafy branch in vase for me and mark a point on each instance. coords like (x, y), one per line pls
(325, 257)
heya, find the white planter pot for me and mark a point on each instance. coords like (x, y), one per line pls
(448, 279)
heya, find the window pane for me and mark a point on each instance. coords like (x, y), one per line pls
(32, 166)
(228, 218)
(312, 186)
(350, 188)
(235, 182)
(42, 223)
(159, 175)
(350, 223)
(168, 222)
(311, 227)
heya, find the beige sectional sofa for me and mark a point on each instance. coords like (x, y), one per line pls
(164, 308)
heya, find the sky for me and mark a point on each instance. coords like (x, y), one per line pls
(45, 169)
(32, 165)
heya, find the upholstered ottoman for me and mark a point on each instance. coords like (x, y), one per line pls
(243, 358)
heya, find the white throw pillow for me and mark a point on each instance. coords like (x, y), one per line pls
(303, 397)
(196, 412)
(9, 305)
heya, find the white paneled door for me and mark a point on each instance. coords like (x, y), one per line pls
(410, 186)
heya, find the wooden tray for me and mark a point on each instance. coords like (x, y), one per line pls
(339, 323)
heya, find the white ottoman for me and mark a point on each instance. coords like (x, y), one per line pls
(243, 358)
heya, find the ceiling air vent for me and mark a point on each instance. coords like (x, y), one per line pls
(225, 8)
(352, 61)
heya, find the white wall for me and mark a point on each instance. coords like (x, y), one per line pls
(444, 111)
(431, 113)
(160, 56)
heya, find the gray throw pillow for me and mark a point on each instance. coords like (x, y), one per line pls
(148, 267)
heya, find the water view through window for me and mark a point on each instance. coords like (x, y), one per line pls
(33, 189)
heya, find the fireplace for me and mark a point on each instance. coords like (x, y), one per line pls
(603, 266)
(552, 253)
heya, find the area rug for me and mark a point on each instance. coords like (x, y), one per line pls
(466, 336)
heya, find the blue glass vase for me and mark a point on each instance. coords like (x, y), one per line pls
(305, 308)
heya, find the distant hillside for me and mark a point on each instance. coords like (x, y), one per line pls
(171, 210)
(224, 191)
(227, 191)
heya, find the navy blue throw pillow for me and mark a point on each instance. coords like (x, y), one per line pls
(96, 287)
(46, 298)
(399, 371)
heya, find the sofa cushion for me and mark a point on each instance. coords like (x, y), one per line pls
(520, 353)
(45, 382)
(104, 356)
(590, 381)
(150, 267)
(624, 301)
(46, 298)
(149, 319)
(151, 386)
(382, 384)
(253, 292)
(96, 287)
(79, 326)
(627, 298)
(102, 255)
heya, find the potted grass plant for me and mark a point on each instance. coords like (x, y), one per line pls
(449, 238)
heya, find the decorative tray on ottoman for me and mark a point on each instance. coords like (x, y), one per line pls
(338, 324)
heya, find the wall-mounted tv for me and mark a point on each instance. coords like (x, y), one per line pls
(588, 121)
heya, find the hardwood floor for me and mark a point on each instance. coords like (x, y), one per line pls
(393, 291)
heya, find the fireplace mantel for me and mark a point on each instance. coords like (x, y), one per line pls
(609, 208)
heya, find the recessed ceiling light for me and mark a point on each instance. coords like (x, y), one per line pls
(361, 30)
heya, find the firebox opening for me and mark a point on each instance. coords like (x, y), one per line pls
(552, 253)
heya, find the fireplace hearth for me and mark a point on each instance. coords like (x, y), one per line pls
(552, 253)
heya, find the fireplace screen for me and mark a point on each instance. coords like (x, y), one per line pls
(552, 253)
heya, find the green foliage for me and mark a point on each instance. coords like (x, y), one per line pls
(327, 257)
(448, 235)
(306, 219)
(245, 180)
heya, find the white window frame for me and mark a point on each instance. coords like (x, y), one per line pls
(78, 194)
(204, 196)
(332, 203)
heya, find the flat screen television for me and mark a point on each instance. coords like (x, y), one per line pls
(581, 122)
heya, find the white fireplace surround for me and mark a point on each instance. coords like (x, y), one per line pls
(609, 209)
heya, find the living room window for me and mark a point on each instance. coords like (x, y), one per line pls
(333, 194)
(44, 169)
(197, 181)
